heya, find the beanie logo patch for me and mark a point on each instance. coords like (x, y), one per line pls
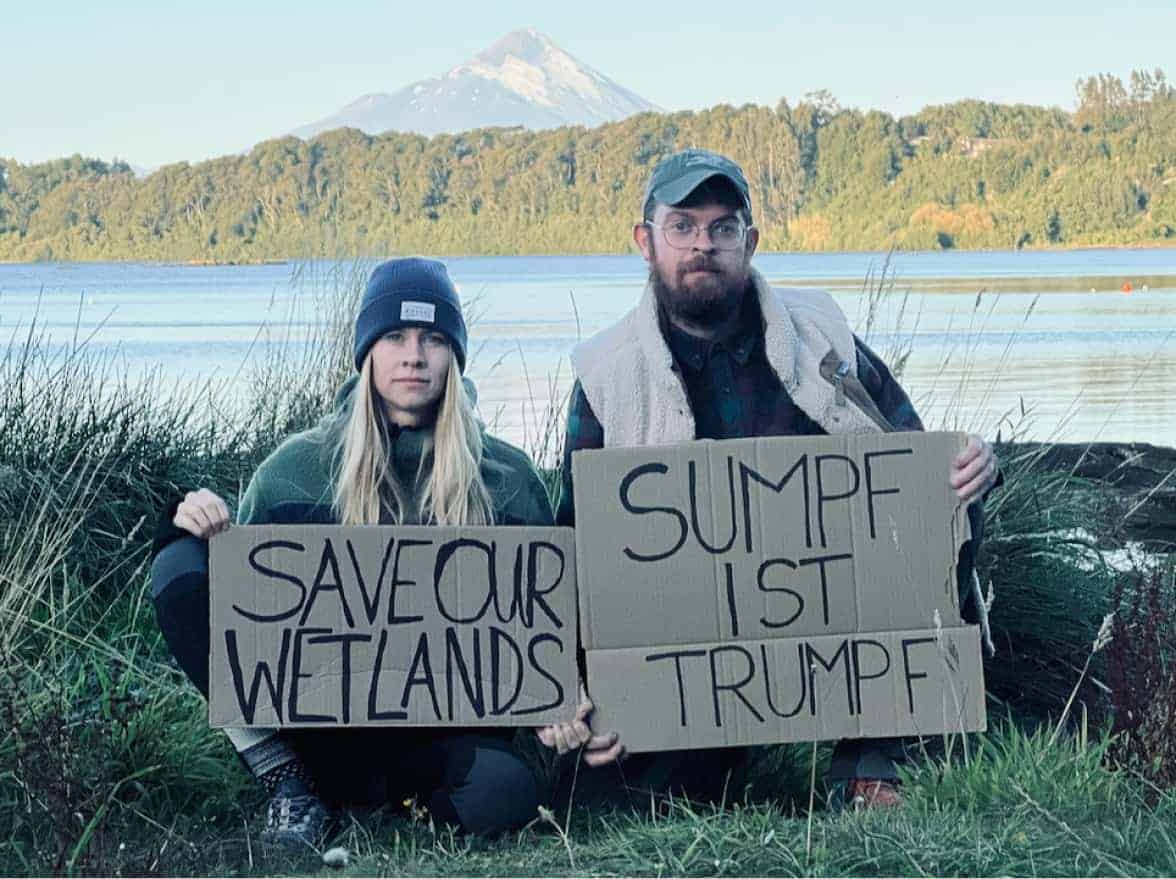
(422, 311)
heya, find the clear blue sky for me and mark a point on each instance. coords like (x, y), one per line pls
(155, 85)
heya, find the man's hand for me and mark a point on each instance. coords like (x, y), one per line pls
(202, 513)
(604, 749)
(974, 470)
(564, 737)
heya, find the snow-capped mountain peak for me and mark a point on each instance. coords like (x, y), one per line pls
(529, 63)
(522, 79)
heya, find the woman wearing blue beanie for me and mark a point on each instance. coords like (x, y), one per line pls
(403, 446)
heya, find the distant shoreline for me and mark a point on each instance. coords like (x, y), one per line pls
(277, 261)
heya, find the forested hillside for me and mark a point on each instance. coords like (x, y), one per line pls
(965, 175)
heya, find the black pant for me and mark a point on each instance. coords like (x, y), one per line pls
(703, 775)
(472, 778)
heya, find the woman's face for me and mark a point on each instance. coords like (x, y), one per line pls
(409, 369)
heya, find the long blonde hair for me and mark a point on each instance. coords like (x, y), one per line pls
(367, 490)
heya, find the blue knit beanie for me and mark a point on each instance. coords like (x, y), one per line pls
(411, 292)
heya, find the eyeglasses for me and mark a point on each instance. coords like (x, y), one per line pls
(725, 234)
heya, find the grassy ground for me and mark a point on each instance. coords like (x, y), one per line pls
(107, 765)
(1022, 806)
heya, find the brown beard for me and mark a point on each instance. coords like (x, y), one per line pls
(710, 305)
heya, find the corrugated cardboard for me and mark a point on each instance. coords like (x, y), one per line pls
(360, 626)
(761, 547)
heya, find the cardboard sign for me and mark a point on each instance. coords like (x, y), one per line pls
(316, 625)
(789, 689)
(712, 571)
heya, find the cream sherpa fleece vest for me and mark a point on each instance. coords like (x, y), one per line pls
(627, 373)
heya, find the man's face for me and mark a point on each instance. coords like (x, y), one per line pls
(700, 285)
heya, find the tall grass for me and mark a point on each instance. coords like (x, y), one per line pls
(97, 719)
(1041, 561)
(107, 765)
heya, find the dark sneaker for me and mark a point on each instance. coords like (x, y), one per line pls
(296, 817)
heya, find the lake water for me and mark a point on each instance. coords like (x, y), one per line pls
(1046, 343)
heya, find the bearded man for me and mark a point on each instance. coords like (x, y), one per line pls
(711, 351)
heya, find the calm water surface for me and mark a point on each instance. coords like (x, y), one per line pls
(1043, 343)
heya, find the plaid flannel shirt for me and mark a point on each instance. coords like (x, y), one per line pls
(733, 392)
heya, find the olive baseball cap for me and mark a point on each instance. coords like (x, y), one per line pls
(676, 176)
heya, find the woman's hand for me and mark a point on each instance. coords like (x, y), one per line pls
(565, 737)
(202, 513)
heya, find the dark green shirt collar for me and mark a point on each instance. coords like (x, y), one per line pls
(741, 341)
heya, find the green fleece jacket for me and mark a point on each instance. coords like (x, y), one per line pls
(293, 486)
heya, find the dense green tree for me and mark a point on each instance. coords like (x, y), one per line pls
(963, 175)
